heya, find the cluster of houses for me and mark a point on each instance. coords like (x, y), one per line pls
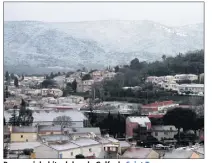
(50, 140)
(47, 139)
(55, 141)
(171, 83)
(85, 85)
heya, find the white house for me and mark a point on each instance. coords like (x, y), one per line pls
(76, 99)
(53, 92)
(98, 74)
(84, 86)
(170, 85)
(152, 79)
(180, 77)
(195, 88)
(90, 148)
(164, 132)
(69, 149)
(109, 75)
(169, 78)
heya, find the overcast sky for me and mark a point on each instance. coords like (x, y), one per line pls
(168, 13)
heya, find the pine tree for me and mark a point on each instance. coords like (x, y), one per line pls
(110, 123)
(14, 119)
(16, 82)
(12, 76)
(7, 76)
(23, 77)
(52, 75)
(25, 117)
(4, 121)
(74, 85)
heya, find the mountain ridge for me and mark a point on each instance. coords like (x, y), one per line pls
(93, 43)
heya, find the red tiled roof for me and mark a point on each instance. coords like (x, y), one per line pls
(91, 157)
(155, 116)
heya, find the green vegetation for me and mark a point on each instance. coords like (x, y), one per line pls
(16, 82)
(183, 118)
(86, 77)
(49, 83)
(25, 117)
(136, 73)
(113, 124)
(79, 156)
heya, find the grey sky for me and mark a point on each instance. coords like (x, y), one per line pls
(168, 13)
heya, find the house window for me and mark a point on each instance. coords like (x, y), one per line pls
(21, 136)
(156, 133)
(90, 150)
(165, 133)
(71, 153)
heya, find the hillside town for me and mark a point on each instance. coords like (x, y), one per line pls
(74, 115)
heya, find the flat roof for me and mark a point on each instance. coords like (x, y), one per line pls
(178, 153)
(42, 128)
(124, 144)
(64, 146)
(79, 130)
(24, 129)
(140, 120)
(43, 116)
(23, 145)
(50, 138)
(137, 152)
(85, 142)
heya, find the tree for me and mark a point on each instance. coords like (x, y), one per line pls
(5, 152)
(48, 83)
(116, 69)
(198, 124)
(51, 75)
(6, 92)
(110, 123)
(14, 119)
(23, 77)
(4, 121)
(68, 90)
(59, 73)
(92, 116)
(62, 120)
(25, 117)
(135, 64)
(16, 82)
(74, 85)
(86, 77)
(164, 57)
(28, 151)
(79, 156)
(12, 76)
(67, 75)
(180, 118)
(7, 76)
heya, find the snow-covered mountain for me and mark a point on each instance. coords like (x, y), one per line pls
(95, 43)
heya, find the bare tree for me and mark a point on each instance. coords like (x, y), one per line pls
(63, 121)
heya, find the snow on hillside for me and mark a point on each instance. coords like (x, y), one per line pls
(95, 43)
